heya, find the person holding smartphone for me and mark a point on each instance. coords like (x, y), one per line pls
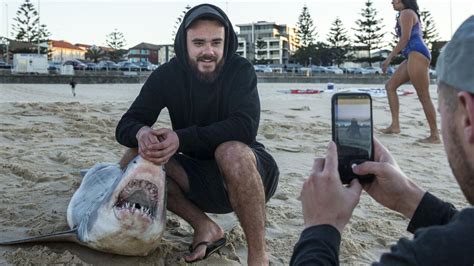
(414, 68)
(443, 235)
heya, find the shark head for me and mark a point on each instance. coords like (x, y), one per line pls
(129, 215)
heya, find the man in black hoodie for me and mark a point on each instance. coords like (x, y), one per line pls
(213, 162)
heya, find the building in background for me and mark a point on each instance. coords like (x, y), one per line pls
(267, 42)
(61, 51)
(153, 53)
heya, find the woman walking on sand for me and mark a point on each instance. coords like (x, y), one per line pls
(414, 68)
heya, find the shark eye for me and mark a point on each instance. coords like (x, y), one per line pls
(135, 162)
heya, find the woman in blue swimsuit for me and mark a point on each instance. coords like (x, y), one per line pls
(414, 68)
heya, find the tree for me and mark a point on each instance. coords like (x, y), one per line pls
(94, 53)
(116, 41)
(27, 27)
(369, 31)
(430, 33)
(319, 52)
(339, 42)
(179, 20)
(260, 48)
(305, 27)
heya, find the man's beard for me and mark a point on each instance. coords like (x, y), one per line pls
(208, 77)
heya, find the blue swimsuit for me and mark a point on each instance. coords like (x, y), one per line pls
(416, 41)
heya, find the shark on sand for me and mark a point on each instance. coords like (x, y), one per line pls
(115, 211)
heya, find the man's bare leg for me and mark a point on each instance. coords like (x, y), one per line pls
(205, 229)
(246, 194)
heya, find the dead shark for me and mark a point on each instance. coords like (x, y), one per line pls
(115, 211)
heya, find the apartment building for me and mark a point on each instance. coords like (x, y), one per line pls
(267, 42)
(62, 51)
(147, 52)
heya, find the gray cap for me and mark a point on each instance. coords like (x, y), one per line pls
(455, 65)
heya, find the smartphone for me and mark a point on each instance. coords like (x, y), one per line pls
(352, 132)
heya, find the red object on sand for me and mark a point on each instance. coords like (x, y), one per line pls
(307, 91)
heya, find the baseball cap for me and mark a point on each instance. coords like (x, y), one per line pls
(455, 65)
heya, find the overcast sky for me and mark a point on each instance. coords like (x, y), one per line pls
(153, 21)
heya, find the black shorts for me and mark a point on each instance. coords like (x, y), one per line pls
(206, 183)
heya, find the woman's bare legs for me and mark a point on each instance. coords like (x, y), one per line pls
(418, 71)
(398, 78)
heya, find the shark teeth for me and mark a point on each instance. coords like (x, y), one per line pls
(139, 196)
(135, 207)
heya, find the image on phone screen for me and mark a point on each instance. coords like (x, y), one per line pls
(352, 131)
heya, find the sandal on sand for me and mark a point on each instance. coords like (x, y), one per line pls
(211, 247)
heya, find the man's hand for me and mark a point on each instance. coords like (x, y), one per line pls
(157, 146)
(391, 187)
(325, 200)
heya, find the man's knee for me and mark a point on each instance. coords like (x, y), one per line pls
(234, 153)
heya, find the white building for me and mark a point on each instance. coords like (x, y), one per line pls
(267, 42)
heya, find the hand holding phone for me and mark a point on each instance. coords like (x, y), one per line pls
(352, 132)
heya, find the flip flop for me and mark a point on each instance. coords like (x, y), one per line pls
(211, 247)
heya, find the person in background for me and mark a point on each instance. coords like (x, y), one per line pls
(414, 68)
(73, 84)
(443, 235)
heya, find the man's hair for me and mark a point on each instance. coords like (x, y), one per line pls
(450, 95)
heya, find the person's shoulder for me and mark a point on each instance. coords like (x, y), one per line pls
(407, 14)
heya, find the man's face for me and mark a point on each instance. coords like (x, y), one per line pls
(205, 46)
(454, 143)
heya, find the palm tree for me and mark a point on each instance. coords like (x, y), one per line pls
(94, 53)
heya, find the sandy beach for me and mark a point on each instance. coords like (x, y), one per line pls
(47, 136)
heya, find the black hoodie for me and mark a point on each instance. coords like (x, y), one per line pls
(203, 115)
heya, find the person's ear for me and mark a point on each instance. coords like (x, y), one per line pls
(466, 103)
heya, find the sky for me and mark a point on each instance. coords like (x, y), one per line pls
(153, 21)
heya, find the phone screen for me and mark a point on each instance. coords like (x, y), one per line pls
(352, 132)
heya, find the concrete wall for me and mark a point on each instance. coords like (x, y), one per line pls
(80, 79)
(84, 77)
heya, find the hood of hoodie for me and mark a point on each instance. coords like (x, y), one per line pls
(195, 13)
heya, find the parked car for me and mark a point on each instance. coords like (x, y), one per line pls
(371, 70)
(91, 66)
(432, 72)
(390, 70)
(54, 67)
(318, 69)
(76, 64)
(128, 66)
(334, 70)
(5, 65)
(348, 70)
(146, 66)
(107, 65)
(262, 68)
